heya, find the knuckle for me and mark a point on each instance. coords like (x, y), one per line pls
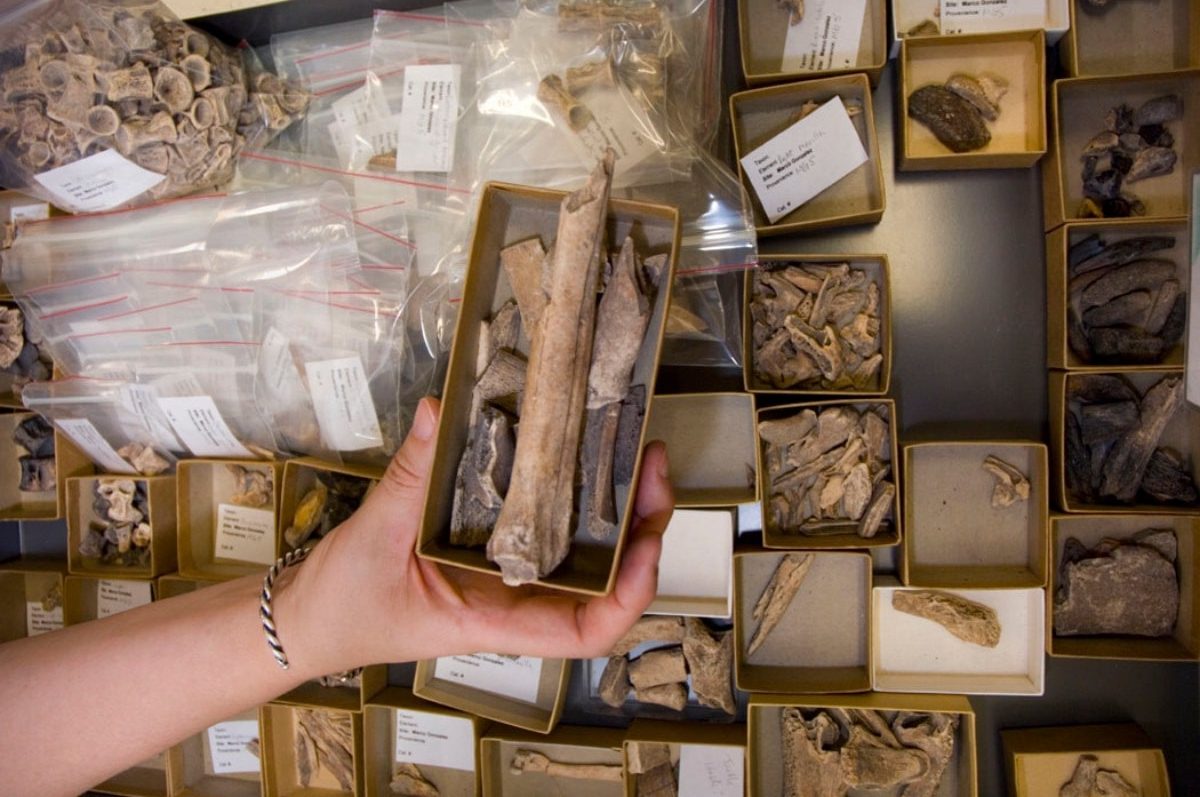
(401, 477)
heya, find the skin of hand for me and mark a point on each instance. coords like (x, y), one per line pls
(93, 700)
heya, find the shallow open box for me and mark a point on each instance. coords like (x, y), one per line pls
(311, 694)
(1059, 353)
(823, 641)
(45, 505)
(759, 115)
(913, 654)
(1126, 38)
(281, 777)
(87, 598)
(510, 214)
(300, 476)
(710, 440)
(1078, 107)
(954, 536)
(1182, 433)
(161, 515)
(150, 778)
(567, 745)
(173, 584)
(444, 681)
(775, 537)
(443, 744)
(24, 585)
(766, 737)
(877, 269)
(711, 758)
(763, 28)
(908, 14)
(1038, 761)
(203, 485)
(695, 571)
(1184, 644)
(1019, 131)
(194, 769)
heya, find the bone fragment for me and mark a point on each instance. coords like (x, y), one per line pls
(657, 667)
(614, 681)
(530, 761)
(642, 757)
(672, 696)
(524, 265)
(811, 763)
(777, 597)
(869, 763)
(553, 93)
(483, 478)
(969, 621)
(658, 782)
(328, 737)
(503, 380)
(710, 663)
(407, 781)
(933, 734)
(1011, 485)
(650, 629)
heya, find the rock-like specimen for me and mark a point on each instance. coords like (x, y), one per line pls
(984, 92)
(955, 122)
(1135, 145)
(777, 596)
(407, 781)
(483, 477)
(614, 681)
(1120, 587)
(1088, 780)
(710, 663)
(1011, 485)
(1126, 464)
(969, 621)
(657, 667)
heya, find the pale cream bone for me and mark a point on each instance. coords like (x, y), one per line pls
(1011, 485)
(324, 740)
(672, 696)
(530, 761)
(552, 93)
(408, 781)
(590, 74)
(650, 629)
(811, 764)
(252, 487)
(533, 532)
(710, 664)
(144, 459)
(870, 763)
(119, 493)
(614, 681)
(658, 667)
(777, 597)
(969, 621)
(933, 733)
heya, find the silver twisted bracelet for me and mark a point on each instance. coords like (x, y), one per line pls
(265, 612)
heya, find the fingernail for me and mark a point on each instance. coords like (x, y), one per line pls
(424, 423)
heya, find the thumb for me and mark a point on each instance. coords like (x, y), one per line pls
(400, 495)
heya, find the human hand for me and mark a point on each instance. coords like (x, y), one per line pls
(363, 596)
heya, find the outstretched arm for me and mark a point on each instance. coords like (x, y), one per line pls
(85, 703)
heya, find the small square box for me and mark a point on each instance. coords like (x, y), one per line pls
(763, 28)
(1126, 38)
(909, 16)
(86, 598)
(568, 744)
(160, 516)
(442, 744)
(281, 775)
(695, 571)
(1040, 761)
(216, 762)
(533, 701)
(710, 759)
(710, 441)
(300, 476)
(16, 504)
(31, 598)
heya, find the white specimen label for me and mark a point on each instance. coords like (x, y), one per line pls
(711, 771)
(40, 621)
(356, 117)
(142, 401)
(428, 119)
(281, 376)
(98, 182)
(805, 159)
(983, 16)
(91, 442)
(615, 124)
(342, 401)
(114, 597)
(200, 426)
(501, 675)
(38, 211)
(435, 740)
(227, 747)
(827, 37)
(245, 534)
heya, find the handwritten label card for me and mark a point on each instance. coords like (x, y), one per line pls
(986, 16)
(805, 159)
(227, 747)
(98, 182)
(711, 771)
(435, 740)
(428, 120)
(827, 38)
(200, 426)
(245, 534)
(39, 621)
(114, 597)
(515, 677)
(341, 398)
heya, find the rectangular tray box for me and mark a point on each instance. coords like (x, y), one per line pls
(569, 744)
(679, 735)
(47, 505)
(280, 776)
(1184, 645)
(907, 14)
(954, 536)
(509, 214)
(160, 506)
(538, 717)
(695, 571)
(1126, 38)
(761, 114)
(190, 769)
(1038, 761)
(300, 476)
(710, 441)
(25, 581)
(762, 26)
(173, 584)
(81, 597)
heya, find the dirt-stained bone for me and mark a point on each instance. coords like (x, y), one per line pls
(777, 597)
(969, 621)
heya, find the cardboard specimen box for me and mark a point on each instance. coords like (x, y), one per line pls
(281, 774)
(710, 441)
(1039, 761)
(352, 697)
(570, 745)
(16, 504)
(1059, 353)
(161, 517)
(150, 778)
(1184, 643)
(1018, 134)
(173, 584)
(87, 598)
(910, 14)
(300, 476)
(204, 486)
(759, 115)
(520, 691)
(766, 755)
(776, 537)
(955, 537)
(511, 214)
(398, 728)
(916, 654)
(710, 760)
(695, 571)
(822, 642)
(217, 762)
(1182, 433)
(764, 31)
(1078, 107)
(31, 598)
(877, 269)
(1127, 38)
(10, 386)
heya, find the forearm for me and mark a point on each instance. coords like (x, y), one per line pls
(85, 703)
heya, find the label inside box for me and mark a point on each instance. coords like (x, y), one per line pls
(114, 597)
(39, 621)
(227, 747)
(805, 159)
(427, 124)
(827, 38)
(711, 771)
(435, 740)
(515, 677)
(245, 534)
(990, 16)
(38, 211)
